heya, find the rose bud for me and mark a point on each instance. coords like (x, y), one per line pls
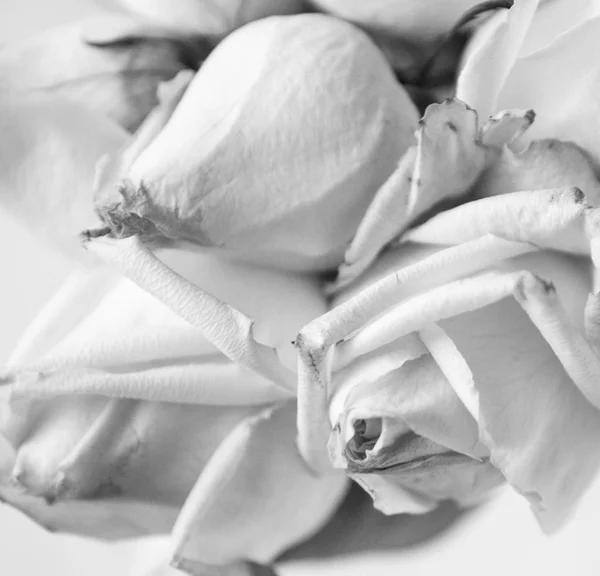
(539, 55)
(275, 149)
(468, 353)
(112, 63)
(205, 17)
(126, 418)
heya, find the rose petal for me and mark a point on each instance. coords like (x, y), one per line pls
(488, 66)
(557, 219)
(205, 17)
(447, 161)
(544, 164)
(223, 325)
(116, 77)
(134, 461)
(506, 127)
(461, 479)
(316, 339)
(48, 151)
(567, 101)
(218, 523)
(541, 431)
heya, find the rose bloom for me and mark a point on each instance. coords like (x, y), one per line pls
(539, 55)
(467, 354)
(123, 418)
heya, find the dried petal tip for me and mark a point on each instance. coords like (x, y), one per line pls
(128, 217)
(88, 235)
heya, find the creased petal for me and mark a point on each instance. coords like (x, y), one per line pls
(219, 521)
(541, 431)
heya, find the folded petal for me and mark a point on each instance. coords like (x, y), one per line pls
(356, 310)
(444, 165)
(220, 519)
(190, 184)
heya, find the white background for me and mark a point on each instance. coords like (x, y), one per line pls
(501, 538)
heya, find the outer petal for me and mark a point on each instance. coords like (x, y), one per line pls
(419, 396)
(490, 62)
(117, 78)
(48, 151)
(220, 520)
(569, 75)
(129, 464)
(191, 184)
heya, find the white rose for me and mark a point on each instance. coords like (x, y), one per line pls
(125, 418)
(468, 352)
(539, 55)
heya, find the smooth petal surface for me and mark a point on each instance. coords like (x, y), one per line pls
(219, 522)
(48, 151)
(134, 470)
(543, 164)
(543, 61)
(540, 453)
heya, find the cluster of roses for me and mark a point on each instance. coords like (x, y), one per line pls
(290, 280)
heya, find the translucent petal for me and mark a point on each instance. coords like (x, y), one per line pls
(48, 152)
(219, 521)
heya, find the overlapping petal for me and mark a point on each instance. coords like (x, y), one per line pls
(540, 56)
(493, 299)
